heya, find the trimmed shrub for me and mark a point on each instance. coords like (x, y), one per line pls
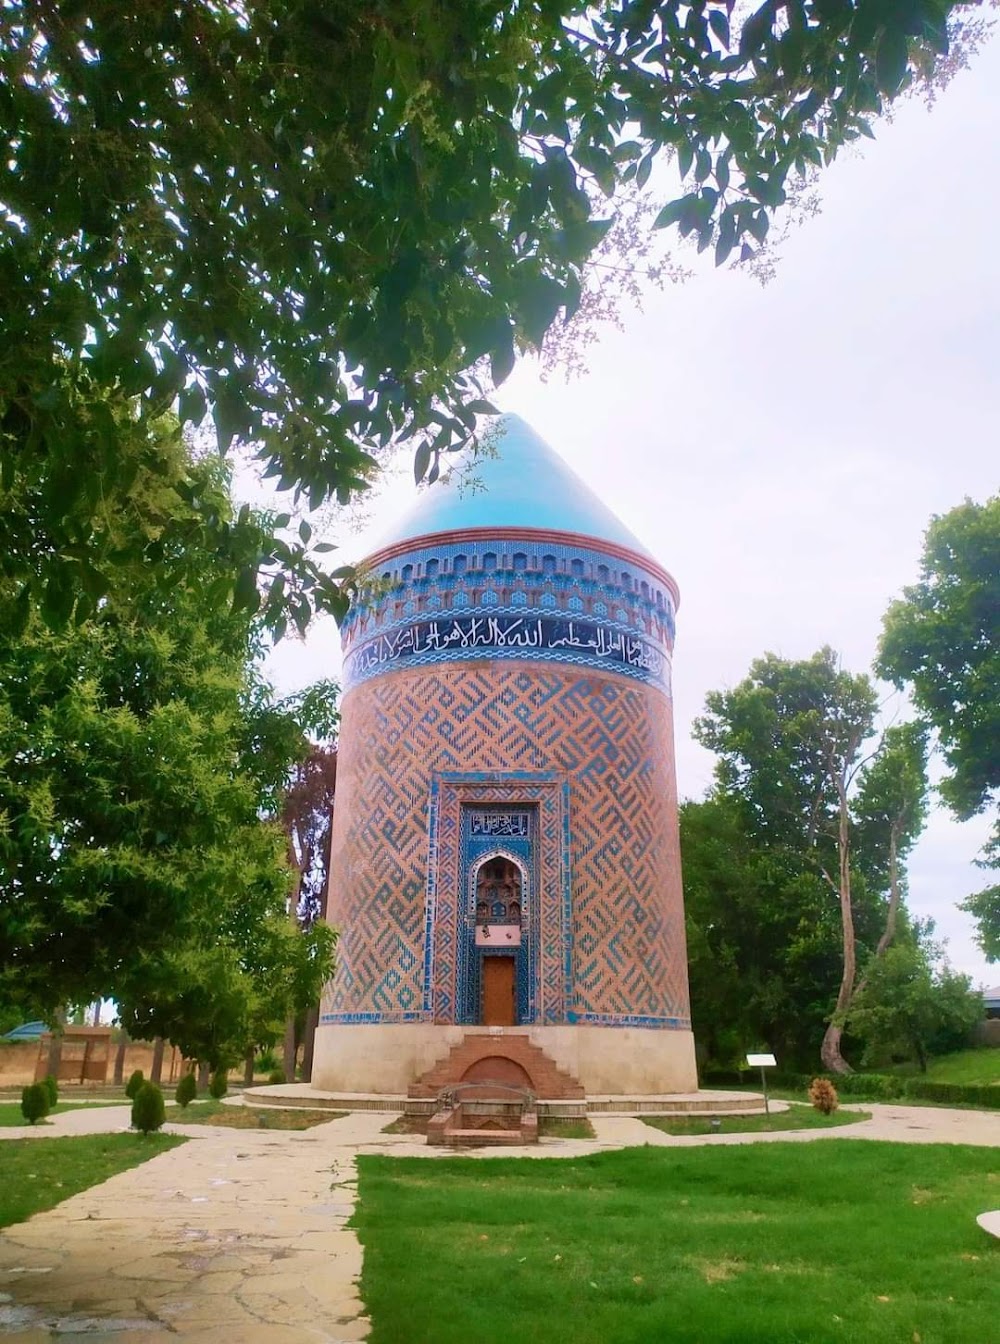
(148, 1110)
(857, 1086)
(276, 1076)
(219, 1085)
(955, 1094)
(133, 1085)
(35, 1103)
(823, 1095)
(52, 1088)
(266, 1062)
(187, 1089)
(871, 1086)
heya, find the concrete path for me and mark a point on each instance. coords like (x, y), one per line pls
(240, 1235)
(237, 1236)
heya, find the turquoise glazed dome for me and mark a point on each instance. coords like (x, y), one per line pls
(519, 482)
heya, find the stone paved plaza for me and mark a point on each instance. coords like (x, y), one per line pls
(240, 1234)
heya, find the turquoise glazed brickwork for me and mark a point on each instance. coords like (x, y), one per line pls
(552, 601)
(518, 661)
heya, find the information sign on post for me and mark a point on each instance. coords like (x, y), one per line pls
(763, 1062)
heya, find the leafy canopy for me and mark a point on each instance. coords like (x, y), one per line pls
(142, 764)
(794, 871)
(328, 224)
(942, 639)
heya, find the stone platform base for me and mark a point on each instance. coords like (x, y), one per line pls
(386, 1059)
(693, 1103)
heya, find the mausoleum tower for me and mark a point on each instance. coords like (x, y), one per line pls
(505, 858)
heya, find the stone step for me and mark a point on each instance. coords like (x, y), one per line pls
(691, 1103)
(547, 1078)
(481, 1138)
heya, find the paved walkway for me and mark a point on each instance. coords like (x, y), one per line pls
(240, 1235)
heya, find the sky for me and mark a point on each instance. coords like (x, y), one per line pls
(782, 448)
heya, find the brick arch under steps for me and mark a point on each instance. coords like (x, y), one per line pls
(510, 1060)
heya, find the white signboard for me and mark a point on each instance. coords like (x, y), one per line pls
(761, 1061)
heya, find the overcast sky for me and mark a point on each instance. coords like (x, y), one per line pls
(781, 449)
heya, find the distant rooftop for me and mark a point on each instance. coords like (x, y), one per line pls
(525, 484)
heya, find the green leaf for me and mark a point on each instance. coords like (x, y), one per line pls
(719, 23)
(685, 157)
(502, 362)
(421, 460)
(246, 596)
(891, 60)
(671, 212)
(758, 225)
(756, 30)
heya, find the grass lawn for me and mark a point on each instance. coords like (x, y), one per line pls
(981, 1068)
(245, 1117)
(830, 1243)
(11, 1113)
(796, 1117)
(38, 1173)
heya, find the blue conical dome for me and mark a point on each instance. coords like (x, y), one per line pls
(523, 484)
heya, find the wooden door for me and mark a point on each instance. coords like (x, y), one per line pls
(499, 992)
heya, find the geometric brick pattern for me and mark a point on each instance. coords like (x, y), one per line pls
(593, 751)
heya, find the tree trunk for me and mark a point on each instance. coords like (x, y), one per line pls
(921, 1055)
(290, 1052)
(119, 1076)
(55, 1044)
(156, 1068)
(204, 1074)
(248, 1064)
(308, 1042)
(829, 1053)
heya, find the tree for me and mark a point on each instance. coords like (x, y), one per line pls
(906, 1008)
(329, 226)
(795, 742)
(142, 763)
(307, 816)
(763, 938)
(942, 639)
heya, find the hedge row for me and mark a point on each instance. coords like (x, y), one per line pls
(871, 1087)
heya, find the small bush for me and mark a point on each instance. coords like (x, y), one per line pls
(148, 1110)
(187, 1089)
(35, 1103)
(266, 1062)
(133, 1085)
(52, 1088)
(219, 1085)
(276, 1076)
(823, 1095)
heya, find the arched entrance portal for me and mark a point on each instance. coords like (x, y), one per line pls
(499, 907)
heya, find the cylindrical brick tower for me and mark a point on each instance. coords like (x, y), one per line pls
(505, 861)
